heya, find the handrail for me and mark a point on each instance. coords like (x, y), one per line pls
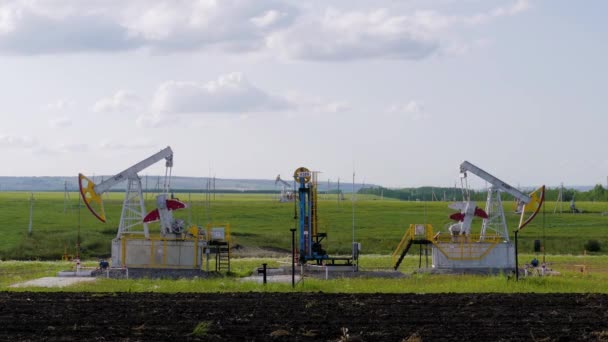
(413, 233)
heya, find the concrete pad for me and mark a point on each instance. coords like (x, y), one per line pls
(53, 282)
(285, 279)
(81, 273)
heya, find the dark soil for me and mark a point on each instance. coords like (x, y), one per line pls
(302, 317)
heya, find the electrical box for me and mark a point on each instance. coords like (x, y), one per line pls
(218, 233)
(419, 230)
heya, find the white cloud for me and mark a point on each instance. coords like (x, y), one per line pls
(71, 148)
(133, 145)
(123, 101)
(310, 104)
(228, 24)
(515, 8)
(333, 107)
(7, 141)
(413, 110)
(230, 93)
(156, 119)
(459, 48)
(40, 27)
(57, 108)
(269, 18)
(337, 35)
(306, 32)
(59, 105)
(354, 35)
(60, 121)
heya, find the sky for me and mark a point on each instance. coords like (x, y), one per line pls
(400, 92)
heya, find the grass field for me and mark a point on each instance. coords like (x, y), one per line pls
(570, 280)
(260, 221)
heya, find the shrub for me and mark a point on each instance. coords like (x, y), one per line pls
(593, 246)
(202, 329)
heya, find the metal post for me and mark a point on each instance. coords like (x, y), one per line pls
(544, 236)
(78, 237)
(29, 231)
(293, 257)
(207, 256)
(516, 259)
(303, 215)
(264, 274)
(353, 200)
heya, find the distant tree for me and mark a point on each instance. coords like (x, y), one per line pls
(593, 246)
(598, 193)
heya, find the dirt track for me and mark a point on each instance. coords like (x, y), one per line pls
(302, 317)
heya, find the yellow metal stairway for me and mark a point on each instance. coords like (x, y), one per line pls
(415, 234)
(222, 257)
(398, 261)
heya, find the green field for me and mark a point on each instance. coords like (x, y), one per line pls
(258, 220)
(570, 279)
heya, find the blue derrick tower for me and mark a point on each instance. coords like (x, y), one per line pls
(310, 239)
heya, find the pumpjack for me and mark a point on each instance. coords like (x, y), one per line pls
(287, 194)
(491, 249)
(177, 246)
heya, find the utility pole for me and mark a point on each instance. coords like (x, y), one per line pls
(339, 193)
(560, 199)
(29, 231)
(354, 199)
(190, 207)
(66, 197)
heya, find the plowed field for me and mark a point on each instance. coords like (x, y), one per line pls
(302, 317)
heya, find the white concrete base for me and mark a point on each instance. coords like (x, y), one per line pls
(283, 279)
(53, 282)
(81, 273)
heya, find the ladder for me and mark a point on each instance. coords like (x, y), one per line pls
(222, 257)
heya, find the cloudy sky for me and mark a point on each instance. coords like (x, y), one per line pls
(401, 91)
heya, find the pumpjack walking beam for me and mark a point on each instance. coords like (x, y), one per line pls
(133, 211)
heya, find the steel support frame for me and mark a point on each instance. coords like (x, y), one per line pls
(496, 215)
(133, 208)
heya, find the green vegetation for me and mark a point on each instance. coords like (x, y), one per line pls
(258, 220)
(202, 329)
(429, 193)
(593, 246)
(571, 279)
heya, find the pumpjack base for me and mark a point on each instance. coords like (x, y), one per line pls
(158, 252)
(483, 256)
